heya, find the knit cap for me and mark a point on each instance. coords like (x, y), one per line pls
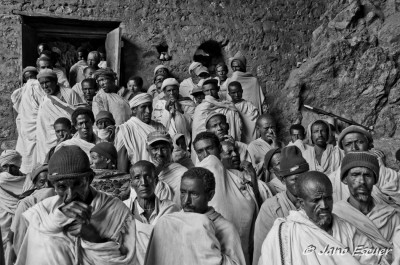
(359, 159)
(39, 168)
(105, 115)
(353, 129)
(69, 162)
(292, 161)
(107, 150)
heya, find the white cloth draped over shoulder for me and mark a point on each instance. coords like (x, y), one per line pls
(52, 108)
(47, 243)
(257, 150)
(252, 91)
(31, 95)
(172, 175)
(83, 144)
(113, 103)
(249, 114)
(78, 89)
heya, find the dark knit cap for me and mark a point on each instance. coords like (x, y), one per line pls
(269, 155)
(354, 129)
(69, 162)
(107, 150)
(292, 161)
(37, 170)
(105, 115)
(359, 159)
(211, 81)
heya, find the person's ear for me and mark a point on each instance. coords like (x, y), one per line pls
(301, 201)
(134, 111)
(344, 180)
(210, 195)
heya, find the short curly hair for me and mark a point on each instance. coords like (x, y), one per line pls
(202, 174)
(81, 111)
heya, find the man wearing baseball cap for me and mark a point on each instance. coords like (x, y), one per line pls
(377, 221)
(355, 138)
(197, 74)
(291, 165)
(79, 225)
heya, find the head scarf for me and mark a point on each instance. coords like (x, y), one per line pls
(239, 57)
(107, 72)
(193, 66)
(169, 82)
(29, 69)
(10, 157)
(140, 99)
(47, 73)
(354, 129)
(158, 67)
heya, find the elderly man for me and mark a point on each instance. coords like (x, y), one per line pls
(173, 111)
(145, 206)
(234, 198)
(248, 112)
(130, 137)
(158, 94)
(386, 190)
(291, 165)
(11, 186)
(222, 76)
(360, 172)
(313, 235)
(163, 71)
(272, 168)
(58, 102)
(87, 74)
(159, 146)
(93, 59)
(266, 128)
(85, 138)
(197, 73)
(210, 103)
(107, 97)
(104, 156)
(105, 125)
(252, 91)
(83, 226)
(199, 235)
(76, 72)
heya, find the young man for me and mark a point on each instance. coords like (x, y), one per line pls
(88, 72)
(63, 129)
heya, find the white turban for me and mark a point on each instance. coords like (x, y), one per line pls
(140, 99)
(10, 157)
(169, 82)
(194, 65)
(159, 67)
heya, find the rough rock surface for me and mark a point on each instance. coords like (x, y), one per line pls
(352, 71)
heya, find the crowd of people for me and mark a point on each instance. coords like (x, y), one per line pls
(211, 182)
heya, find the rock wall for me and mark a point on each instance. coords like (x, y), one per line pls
(273, 34)
(352, 70)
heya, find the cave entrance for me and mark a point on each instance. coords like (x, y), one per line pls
(67, 35)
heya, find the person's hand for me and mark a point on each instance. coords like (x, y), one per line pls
(273, 138)
(85, 231)
(79, 211)
(379, 154)
(229, 138)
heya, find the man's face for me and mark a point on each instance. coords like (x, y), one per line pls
(360, 181)
(49, 85)
(143, 112)
(230, 156)
(81, 56)
(296, 135)
(160, 153)
(205, 148)
(89, 91)
(355, 142)
(210, 90)
(143, 181)
(158, 81)
(162, 71)
(235, 93)
(194, 198)
(218, 126)
(84, 126)
(41, 180)
(92, 61)
(267, 129)
(236, 66)
(132, 86)
(172, 91)
(29, 75)
(98, 161)
(89, 73)
(276, 163)
(320, 134)
(62, 132)
(318, 204)
(291, 186)
(222, 73)
(103, 123)
(199, 97)
(106, 83)
(45, 65)
(73, 189)
(12, 169)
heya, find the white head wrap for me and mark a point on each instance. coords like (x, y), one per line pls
(10, 157)
(169, 82)
(193, 66)
(158, 67)
(140, 99)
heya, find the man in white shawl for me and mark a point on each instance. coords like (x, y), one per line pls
(174, 111)
(313, 235)
(58, 102)
(26, 102)
(130, 137)
(197, 74)
(387, 189)
(320, 155)
(292, 164)
(46, 61)
(360, 172)
(80, 225)
(159, 70)
(144, 204)
(266, 128)
(234, 198)
(212, 102)
(85, 137)
(11, 185)
(252, 91)
(88, 73)
(248, 112)
(199, 235)
(107, 97)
